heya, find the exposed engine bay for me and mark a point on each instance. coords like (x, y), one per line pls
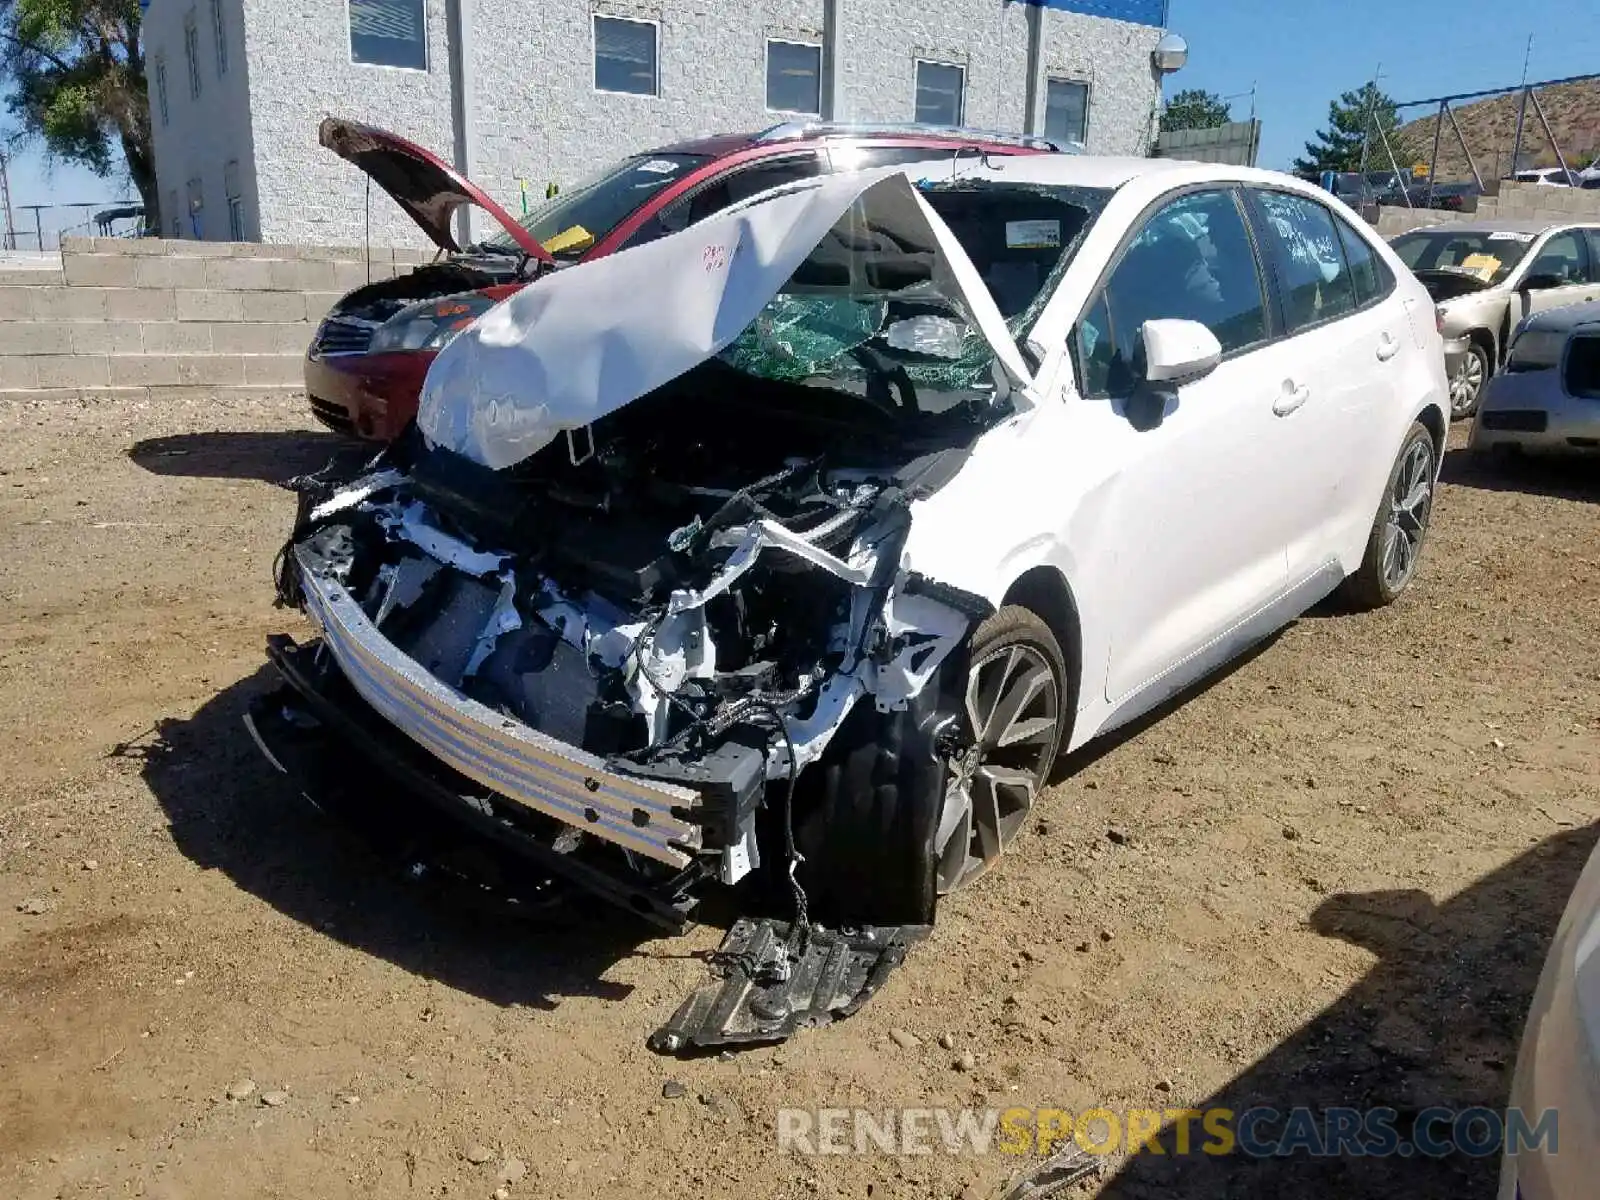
(380, 300)
(696, 602)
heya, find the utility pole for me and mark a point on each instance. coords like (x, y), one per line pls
(1522, 111)
(5, 201)
(1366, 127)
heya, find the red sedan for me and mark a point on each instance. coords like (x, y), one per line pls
(365, 367)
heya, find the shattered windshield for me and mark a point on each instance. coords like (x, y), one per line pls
(1485, 256)
(574, 220)
(873, 311)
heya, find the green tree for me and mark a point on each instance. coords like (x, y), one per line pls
(1350, 118)
(75, 69)
(1195, 109)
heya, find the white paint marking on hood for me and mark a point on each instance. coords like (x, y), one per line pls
(588, 340)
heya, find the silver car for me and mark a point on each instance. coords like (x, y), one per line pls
(1548, 396)
(1487, 276)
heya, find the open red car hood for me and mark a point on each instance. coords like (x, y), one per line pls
(421, 183)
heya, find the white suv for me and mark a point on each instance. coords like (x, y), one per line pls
(805, 541)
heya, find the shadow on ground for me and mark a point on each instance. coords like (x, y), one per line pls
(230, 811)
(271, 457)
(1436, 1022)
(1571, 478)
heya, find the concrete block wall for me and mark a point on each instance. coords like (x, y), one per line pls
(1516, 201)
(137, 316)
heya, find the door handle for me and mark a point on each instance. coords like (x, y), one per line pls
(1388, 347)
(1290, 398)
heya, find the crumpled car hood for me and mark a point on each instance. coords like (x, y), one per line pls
(586, 341)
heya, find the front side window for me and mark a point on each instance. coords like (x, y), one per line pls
(1306, 254)
(191, 54)
(1562, 261)
(624, 56)
(794, 77)
(389, 33)
(940, 92)
(1192, 261)
(1066, 111)
(600, 204)
(730, 189)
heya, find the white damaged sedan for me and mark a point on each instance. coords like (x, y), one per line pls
(800, 545)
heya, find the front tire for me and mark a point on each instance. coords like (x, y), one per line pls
(1400, 527)
(909, 806)
(1466, 385)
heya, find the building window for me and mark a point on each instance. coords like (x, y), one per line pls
(389, 33)
(161, 87)
(794, 77)
(939, 93)
(1066, 110)
(624, 56)
(191, 53)
(197, 204)
(230, 188)
(221, 33)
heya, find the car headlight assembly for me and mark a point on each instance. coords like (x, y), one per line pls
(1536, 350)
(429, 324)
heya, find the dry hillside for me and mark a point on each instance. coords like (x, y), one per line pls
(1490, 129)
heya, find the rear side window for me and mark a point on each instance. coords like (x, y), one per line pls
(1371, 277)
(1308, 258)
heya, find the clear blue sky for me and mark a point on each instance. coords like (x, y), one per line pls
(1300, 54)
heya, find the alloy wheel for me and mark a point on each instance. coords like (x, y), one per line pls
(1012, 711)
(1409, 508)
(1466, 384)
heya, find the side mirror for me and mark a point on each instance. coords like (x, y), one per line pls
(1542, 281)
(1179, 351)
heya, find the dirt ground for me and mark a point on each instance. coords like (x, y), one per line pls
(1335, 874)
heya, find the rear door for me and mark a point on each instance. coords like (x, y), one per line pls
(1340, 366)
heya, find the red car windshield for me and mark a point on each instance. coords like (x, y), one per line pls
(598, 206)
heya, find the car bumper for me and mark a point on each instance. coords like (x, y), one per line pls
(1556, 1067)
(1528, 410)
(367, 395)
(319, 732)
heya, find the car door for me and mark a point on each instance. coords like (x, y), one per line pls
(1340, 362)
(1562, 272)
(1201, 480)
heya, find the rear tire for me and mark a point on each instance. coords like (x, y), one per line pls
(1400, 527)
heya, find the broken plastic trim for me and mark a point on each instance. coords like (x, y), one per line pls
(768, 991)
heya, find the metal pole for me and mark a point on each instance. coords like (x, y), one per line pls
(1395, 165)
(1561, 159)
(1366, 127)
(1516, 143)
(1433, 163)
(1465, 149)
